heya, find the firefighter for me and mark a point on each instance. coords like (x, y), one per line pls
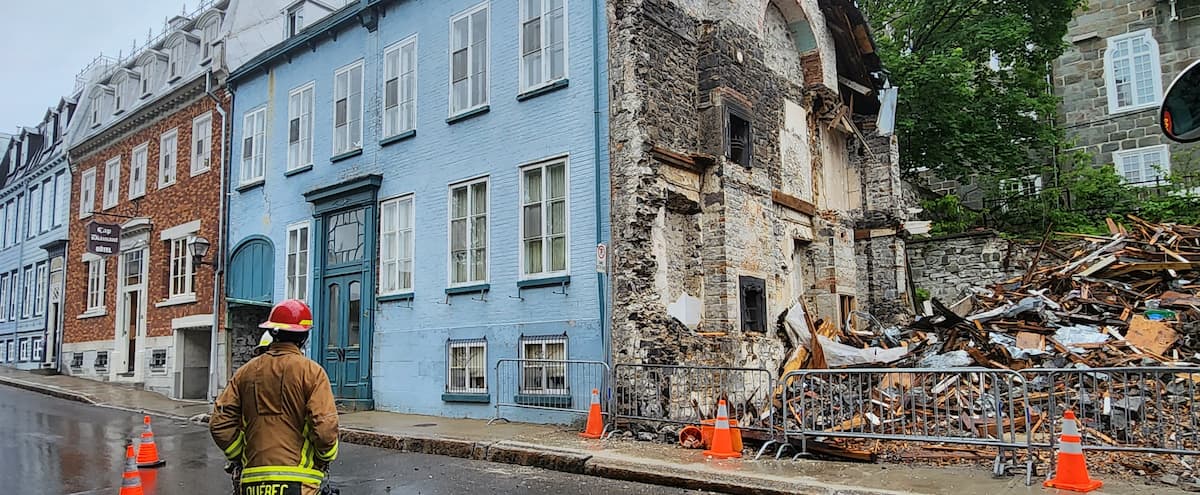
(277, 418)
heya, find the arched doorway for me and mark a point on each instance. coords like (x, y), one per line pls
(249, 292)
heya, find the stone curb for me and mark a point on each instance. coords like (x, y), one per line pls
(578, 462)
(48, 390)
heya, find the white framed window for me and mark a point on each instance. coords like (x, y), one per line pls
(25, 349)
(347, 108)
(466, 366)
(298, 239)
(396, 246)
(400, 87)
(22, 217)
(28, 287)
(544, 219)
(62, 197)
(543, 42)
(177, 63)
(137, 171)
(95, 285)
(201, 143)
(4, 295)
(3, 225)
(1147, 166)
(119, 98)
(94, 104)
(1028, 185)
(39, 296)
(254, 136)
(300, 126)
(39, 348)
(469, 232)
(87, 193)
(14, 301)
(148, 76)
(540, 373)
(469, 59)
(295, 20)
(112, 182)
(168, 158)
(181, 268)
(11, 222)
(1133, 72)
(46, 220)
(34, 219)
(209, 35)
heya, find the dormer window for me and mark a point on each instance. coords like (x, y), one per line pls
(208, 36)
(147, 81)
(175, 65)
(95, 107)
(295, 20)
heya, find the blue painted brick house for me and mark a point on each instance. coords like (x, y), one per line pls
(427, 174)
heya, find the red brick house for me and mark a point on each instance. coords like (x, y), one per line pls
(148, 156)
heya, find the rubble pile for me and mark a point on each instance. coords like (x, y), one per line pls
(1127, 300)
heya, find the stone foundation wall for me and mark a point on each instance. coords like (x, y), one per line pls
(948, 267)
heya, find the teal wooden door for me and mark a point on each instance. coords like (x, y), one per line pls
(342, 335)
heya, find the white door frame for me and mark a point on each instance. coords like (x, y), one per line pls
(118, 366)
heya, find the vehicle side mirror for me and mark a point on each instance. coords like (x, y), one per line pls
(1179, 116)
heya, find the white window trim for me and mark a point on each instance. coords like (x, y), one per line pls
(312, 123)
(1019, 183)
(87, 180)
(525, 86)
(521, 343)
(101, 309)
(487, 76)
(1110, 82)
(162, 140)
(105, 204)
(1163, 150)
(28, 289)
(174, 234)
(412, 217)
(487, 272)
(42, 274)
(467, 344)
(258, 147)
(362, 104)
(142, 148)
(289, 289)
(547, 273)
(4, 295)
(298, 12)
(192, 159)
(398, 47)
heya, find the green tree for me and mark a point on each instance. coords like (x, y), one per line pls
(956, 114)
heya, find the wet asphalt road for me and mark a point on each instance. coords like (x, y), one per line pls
(54, 447)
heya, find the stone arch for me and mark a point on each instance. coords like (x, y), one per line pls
(779, 43)
(801, 24)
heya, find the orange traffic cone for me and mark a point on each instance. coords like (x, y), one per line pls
(595, 421)
(722, 442)
(1072, 469)
(147, 453)
(131, 482)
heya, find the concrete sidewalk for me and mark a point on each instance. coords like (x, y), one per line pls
(561, 449)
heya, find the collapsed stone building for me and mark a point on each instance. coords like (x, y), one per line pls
(747, 173)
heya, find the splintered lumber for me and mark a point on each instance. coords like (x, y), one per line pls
(825, 449)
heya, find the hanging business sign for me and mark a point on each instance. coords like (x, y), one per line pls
(103, 239)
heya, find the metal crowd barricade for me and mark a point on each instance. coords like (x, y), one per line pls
(689, 394)
(1151, 409)
(557, 389)
(972, 406)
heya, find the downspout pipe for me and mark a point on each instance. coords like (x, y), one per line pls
(598, 179)
(219, 256)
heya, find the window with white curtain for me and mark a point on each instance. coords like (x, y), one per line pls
(297, 261)
(347, 108)
(300, 126)
(95, 285)
(396, 246)
(254, 134)
(400, 88)
(543, 42)
(466, 367)
(469, 59)
(544, 219)
(540, 374)
(201, 143)
(468, 232)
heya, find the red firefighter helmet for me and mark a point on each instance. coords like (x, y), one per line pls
(291, 315)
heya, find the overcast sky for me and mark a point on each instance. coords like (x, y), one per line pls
(47, 42)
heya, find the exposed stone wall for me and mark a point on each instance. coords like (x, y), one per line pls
(687, 219)
(1079, 74)
(948, 267)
